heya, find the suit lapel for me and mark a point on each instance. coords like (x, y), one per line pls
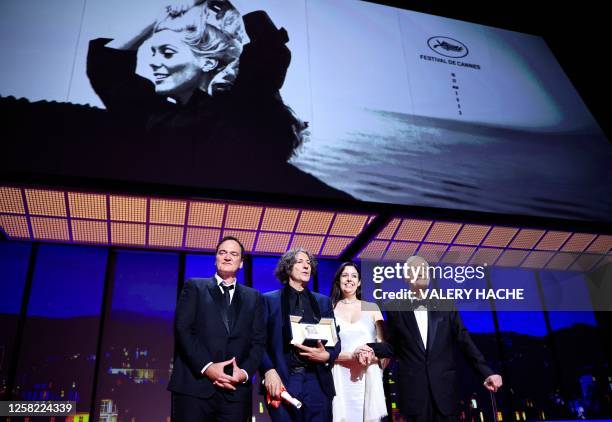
(217, 296)
(236, 305)
(314, 305)
(433, 318)
(411, 324)
(285, 317)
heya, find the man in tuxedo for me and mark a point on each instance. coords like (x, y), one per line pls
(423, 340)
(305, 372)
(220, 336)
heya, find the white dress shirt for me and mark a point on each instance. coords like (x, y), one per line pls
(420, 313)
(231, 293)
(220, 281)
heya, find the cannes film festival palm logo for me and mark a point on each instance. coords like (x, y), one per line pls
(448, 47)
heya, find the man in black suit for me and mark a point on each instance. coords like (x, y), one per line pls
(423, 342)
(221, 337)
(305, 372)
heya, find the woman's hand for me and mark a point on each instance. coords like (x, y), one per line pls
(361, 358)
(177, 7)
(364, 348)
(364, 354)
(364, 357)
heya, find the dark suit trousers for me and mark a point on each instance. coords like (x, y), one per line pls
(430, 412)
(216, 408)
(316, 406)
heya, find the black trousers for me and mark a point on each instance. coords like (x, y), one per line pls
(317, 406)
(216, 408)
(430, 412)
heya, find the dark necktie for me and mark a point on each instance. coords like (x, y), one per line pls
(226, 294)
(226, 314)
(297, 360)
(299, 305)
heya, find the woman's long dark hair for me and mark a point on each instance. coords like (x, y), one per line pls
(336, 292)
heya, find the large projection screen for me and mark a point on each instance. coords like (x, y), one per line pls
(377, 104)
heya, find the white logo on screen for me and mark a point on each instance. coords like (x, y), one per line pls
(448, 47)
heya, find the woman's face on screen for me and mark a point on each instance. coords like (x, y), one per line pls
(176, 71)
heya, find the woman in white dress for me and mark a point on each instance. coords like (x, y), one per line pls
(357, 372)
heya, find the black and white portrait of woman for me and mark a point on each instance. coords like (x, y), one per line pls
(184, 53)
(209, 83)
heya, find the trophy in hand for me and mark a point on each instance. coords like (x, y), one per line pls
(309, 334)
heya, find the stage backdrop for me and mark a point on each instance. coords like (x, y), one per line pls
(388, 105)
(553, 363)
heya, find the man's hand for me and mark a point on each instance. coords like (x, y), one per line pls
(493, 382)
(238, 373)
(273, 383)
(314, 354)
(219, 378)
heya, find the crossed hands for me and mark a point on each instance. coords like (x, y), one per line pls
(220, 379)
(364, 355)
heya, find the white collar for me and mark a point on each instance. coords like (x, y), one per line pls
(220, 280)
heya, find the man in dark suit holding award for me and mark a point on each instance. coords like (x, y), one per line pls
(423, 339)
(305, 372)
(221, 337)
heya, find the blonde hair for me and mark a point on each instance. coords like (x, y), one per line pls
(222, 42)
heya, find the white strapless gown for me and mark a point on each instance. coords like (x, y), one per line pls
(359, 391)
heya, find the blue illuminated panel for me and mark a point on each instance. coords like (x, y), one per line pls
(138, 338)
(525, 346)
(577, 341)
(14, 258)
(263, 274)
(326, 270)
(58, 353)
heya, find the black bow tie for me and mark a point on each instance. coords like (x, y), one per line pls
(420, 302)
